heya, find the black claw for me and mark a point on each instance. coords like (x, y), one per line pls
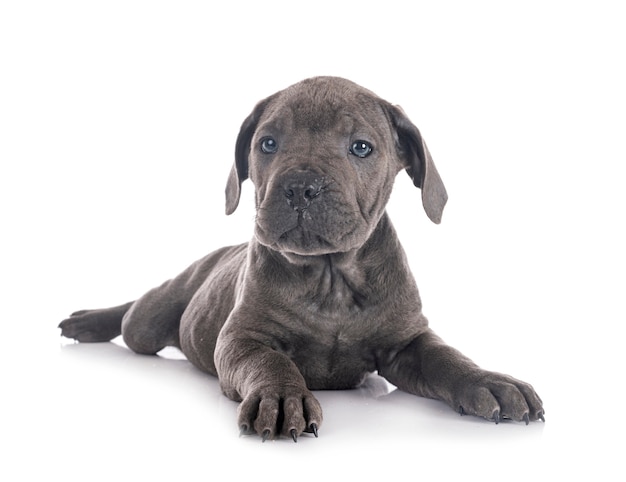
(265, 435)
(294, 435)
(541, 417)
(461, 411)
(526, 418)
(243, 430)
(496, 416)
(313, 427)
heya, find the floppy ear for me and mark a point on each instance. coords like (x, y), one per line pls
(419, 165)
(239, 171)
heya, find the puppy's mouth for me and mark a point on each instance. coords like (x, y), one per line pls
(299, 239)
(307, 233)
(305, 242)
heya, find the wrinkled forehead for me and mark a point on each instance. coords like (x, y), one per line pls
(320, 108)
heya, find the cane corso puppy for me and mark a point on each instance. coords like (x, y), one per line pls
(322, 295)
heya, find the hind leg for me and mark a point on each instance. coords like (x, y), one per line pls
(147, 325)
(153, 322)
(95, 325)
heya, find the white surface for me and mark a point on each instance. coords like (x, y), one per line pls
(117, 129)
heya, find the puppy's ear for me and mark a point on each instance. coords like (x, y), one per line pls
(239, 171)
(419, 165)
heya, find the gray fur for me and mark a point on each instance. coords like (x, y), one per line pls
(322, 295)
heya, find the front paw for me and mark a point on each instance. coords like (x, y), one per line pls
(495, 396)
(272, 411)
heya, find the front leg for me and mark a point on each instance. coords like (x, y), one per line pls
(273, 393)
(430, 368)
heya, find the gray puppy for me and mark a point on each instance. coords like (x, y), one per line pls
(322, 295)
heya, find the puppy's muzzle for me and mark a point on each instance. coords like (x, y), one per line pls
(302, 190)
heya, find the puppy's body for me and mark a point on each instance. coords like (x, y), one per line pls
(322, 295)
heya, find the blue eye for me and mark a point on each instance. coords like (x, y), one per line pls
(361, 149)
(269, 145)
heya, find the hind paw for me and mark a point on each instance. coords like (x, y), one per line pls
(90, 326)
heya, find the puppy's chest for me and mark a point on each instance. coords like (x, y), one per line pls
(331, 323)
(333, 344)
(332, 352)
(337, 306)
(336, 293)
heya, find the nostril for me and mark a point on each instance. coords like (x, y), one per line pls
(311, 192)
(289, 193)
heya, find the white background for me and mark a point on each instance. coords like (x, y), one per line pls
(117, 129)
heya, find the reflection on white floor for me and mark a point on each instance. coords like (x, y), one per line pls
(102, 412)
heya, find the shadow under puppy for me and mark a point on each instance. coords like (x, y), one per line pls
(322, 295)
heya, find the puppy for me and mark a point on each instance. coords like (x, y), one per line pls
(322, 295)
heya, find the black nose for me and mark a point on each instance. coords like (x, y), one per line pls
(301, 192)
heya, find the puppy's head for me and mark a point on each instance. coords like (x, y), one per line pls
(323, 155)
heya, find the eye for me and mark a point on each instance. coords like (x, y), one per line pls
(269, 145)
(361, 149)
